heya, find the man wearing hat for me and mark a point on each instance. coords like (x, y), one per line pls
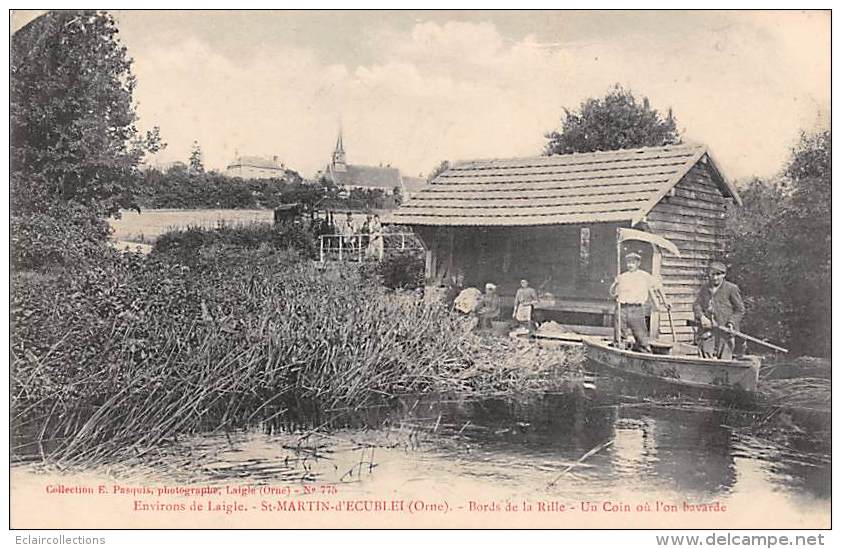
(719, 304)
(634, 289)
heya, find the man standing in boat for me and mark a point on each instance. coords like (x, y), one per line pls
(719, 304)
(634, 289)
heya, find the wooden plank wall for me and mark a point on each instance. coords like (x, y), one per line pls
(693, 217)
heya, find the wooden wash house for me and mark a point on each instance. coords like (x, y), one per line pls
(553, 221)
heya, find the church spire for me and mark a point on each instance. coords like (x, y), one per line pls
(339, 164)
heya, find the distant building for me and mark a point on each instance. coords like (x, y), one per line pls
(355, 176)
(411, 185)
(166, 166)
(256, 167)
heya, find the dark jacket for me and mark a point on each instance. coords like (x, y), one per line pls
(723, 307)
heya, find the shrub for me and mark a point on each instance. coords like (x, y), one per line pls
(63, 234)
(402, 270)
(184, 244)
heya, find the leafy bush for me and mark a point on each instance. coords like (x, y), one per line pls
(64, 234)
(185, 244)
(402, 270)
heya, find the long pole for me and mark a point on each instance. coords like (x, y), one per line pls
(617, 321)
(751, 338)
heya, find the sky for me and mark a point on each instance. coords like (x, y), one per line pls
(411, 89)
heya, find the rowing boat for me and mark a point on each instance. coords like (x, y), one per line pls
(691, 371)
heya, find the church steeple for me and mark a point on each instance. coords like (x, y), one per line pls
(339, 164)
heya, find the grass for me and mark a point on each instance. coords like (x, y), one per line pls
(114, 360)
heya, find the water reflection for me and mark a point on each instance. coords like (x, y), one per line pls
(529, 446)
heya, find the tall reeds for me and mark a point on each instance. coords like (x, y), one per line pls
(113, 361)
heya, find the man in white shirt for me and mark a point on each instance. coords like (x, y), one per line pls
(634, 289)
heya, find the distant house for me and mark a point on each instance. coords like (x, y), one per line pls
(166, 166)
(411, 185)
(553, 220)
(256, 167)
(356, 176)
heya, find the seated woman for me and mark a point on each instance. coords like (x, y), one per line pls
(488, 308)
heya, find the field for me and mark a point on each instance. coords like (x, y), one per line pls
(147, 226)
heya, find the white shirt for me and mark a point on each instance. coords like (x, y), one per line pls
(633, 287)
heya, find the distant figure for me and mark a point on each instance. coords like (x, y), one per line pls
(454, 287)
(634, 289)
(719, 304)
(524, 302)
(364, 232)
(488, 307)
(348, 230)
(376, 247)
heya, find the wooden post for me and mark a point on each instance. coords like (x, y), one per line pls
(617, 321)
(402, 241)
(341, 239)
(321, 249)
(450, 244)
(428, 266)
(656, 265)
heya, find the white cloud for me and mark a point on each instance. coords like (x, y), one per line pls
(458, 89)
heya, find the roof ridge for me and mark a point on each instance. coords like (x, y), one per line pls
(578, 154)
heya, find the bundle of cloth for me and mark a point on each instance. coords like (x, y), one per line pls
(467, 300)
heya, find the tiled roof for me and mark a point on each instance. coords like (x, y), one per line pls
(367, 176)
(618, 185)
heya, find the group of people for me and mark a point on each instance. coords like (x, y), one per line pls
(486, 306)
(367, 238)
(718, 308)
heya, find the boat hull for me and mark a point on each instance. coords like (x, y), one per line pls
(718, 376)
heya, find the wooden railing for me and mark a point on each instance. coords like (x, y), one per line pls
(356, 248)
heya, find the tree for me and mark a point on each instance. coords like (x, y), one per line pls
(780, 249)
(805, 226)
(617, 121)
(72, 121)
(196, 165)
(397, 195)
(442, 167)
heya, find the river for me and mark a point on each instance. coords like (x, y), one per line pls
(556, 461)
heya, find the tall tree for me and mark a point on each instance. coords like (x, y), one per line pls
(780, 249)
(73, 133)
(616, 121)
(196, 159)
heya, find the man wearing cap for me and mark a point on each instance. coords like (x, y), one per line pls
(719, 304)
(634, 289)
(488, 308)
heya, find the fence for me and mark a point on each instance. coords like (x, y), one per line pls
(358, 247)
